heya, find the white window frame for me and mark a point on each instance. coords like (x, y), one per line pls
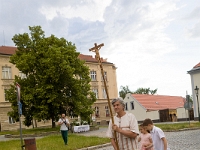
(11, 120)
(93, 75)
(126, 106)
(22, 75)
(97, 114)
(105, 76)
(132, 105)
(107, 111)
(96, 93)
(104, 93)
(6, 72)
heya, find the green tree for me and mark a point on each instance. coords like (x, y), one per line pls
(124, 90)
(56, 79)
(145, 91)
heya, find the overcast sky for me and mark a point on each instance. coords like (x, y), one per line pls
(153, 43)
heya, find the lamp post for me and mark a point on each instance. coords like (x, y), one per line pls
(197, 90)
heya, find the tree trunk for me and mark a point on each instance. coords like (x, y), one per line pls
(53, 122)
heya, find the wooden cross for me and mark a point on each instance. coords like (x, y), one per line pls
(96, 49)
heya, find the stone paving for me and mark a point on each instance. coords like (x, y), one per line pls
(181, 140)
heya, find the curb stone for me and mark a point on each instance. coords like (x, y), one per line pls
(184, 129)
(96, 147)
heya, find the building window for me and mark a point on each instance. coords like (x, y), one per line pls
(104, 93)
(6, 72)
(105, 76)
(132, 105)
(5, 95)
(96, 93)
(93, 75)
(22, 75)
(126, 107)
(96, 112)
(107, 111)
(11, 120)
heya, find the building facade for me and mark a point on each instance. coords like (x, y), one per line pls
(195, 81)
(101, 111)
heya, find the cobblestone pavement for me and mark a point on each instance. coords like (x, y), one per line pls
(181, 140)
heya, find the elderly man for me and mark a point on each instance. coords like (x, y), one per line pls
(126, 127)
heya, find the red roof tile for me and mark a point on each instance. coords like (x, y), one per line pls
(159, 102)
(196, 66)
(7, 50)
(89, 58)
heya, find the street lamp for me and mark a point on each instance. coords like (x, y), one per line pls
(197, 90)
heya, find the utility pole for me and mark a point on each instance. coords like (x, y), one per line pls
(96, 49)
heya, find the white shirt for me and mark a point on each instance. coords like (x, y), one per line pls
(63, 126)
(126, 122)
(157, 134)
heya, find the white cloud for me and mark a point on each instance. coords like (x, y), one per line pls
(153, 43)
(194, 32)
(87, 10)
(144, 32)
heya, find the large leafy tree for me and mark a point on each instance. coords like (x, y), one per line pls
(56, 79)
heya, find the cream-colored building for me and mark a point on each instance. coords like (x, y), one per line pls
(101, 114)
(195, 81)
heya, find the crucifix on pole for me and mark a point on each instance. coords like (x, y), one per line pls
(96, 49)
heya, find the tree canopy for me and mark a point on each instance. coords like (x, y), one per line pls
(145, 91)
(56, 79)
(125, 90)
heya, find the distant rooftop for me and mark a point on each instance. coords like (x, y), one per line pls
(197, 65)
(159, 102)
(89, 58)
(195, 69)
(9, 50)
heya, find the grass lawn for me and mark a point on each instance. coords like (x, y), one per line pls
(178, 126)
(55, 142)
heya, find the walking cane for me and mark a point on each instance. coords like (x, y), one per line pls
(96, 49)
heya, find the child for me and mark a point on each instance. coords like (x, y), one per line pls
(145, 139)
(158, 136)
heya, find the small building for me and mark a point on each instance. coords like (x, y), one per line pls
(159, 108)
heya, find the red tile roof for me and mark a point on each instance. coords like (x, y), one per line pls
(7, 50)
(89, 58)
(196, 66)
(159, 102)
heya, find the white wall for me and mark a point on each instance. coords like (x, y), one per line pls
(181, 113)
(195, 81)
(139, 111)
